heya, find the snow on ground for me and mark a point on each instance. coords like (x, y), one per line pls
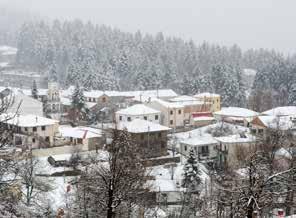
(7, 50)
(163, 177)
(4, 64)
(203, 132)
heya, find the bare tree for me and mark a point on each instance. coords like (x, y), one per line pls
(9, 190)
(35, 188)
(112, 188)
(260, 185)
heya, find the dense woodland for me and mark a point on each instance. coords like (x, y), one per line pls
(100, 57)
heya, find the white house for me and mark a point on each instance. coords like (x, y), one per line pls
(89, 137)
(31, 130)
(138, 111)
(203, 146)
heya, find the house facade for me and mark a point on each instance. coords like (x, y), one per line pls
(90, 138)
(31, 131)
(231, 150)
(204, 148)
(172, 114)
(138, 111)
(150, 137)
(213, 99)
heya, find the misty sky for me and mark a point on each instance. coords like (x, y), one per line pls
(248, 23)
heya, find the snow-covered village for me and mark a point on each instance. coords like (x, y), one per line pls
(97, 120)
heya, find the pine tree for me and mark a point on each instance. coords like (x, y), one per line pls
(34, 90)
(78, 104)
(191, 180)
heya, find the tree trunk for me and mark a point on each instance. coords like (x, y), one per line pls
(250, 212)
(110, 213)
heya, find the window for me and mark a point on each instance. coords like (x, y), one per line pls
(171, 122)
(145, 118)
(33, 140)
(120, 118)
(79, 141)
(179, 111)
(205, 150)
(185, 147)
(171, 112)
(129, 119)
(94, 100)
(43, 128)
(159, 135)
(156, 117)
(103, 99)
(47, 139)
(34, 129)
(26, 129)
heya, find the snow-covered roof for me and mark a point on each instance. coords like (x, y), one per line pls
(249, 72)
(281, 111)
(24, 105)
(141, 126)
(236, 139)
(29, 120)
(183, 98)
(201, 140)
(138, 95)
(67, 102)
(80, 132)
(167, 104)
(283, 153)
(138, 109)
(206, 95)
(274, 122)
(236, 112)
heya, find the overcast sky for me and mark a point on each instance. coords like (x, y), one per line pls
(248, 23)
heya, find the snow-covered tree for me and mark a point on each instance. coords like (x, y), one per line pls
(78, 103)
(191, 178)
(111, 188)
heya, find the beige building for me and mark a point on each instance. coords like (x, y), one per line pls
(31, 131)
(234, 148)
(172, 114)
(211, 98)
(191, 106)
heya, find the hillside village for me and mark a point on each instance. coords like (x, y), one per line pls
(166, 126)
(96, 122)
